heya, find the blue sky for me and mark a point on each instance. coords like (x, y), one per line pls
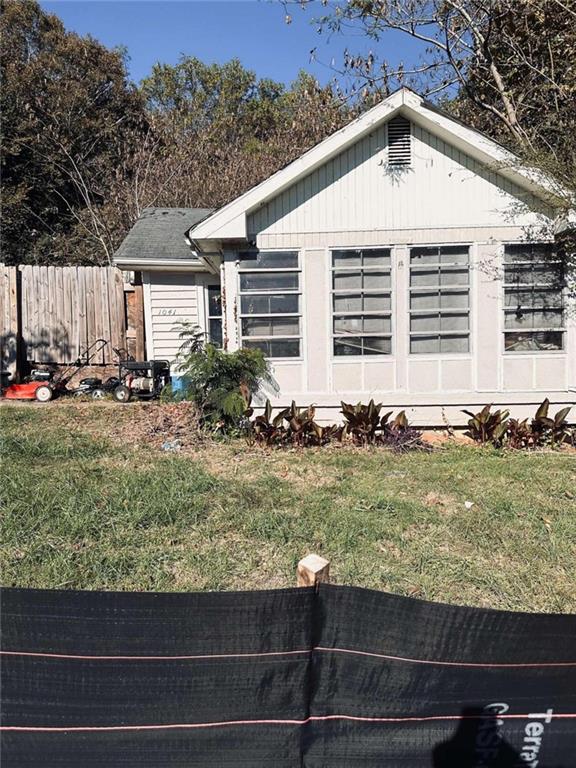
(218, 30)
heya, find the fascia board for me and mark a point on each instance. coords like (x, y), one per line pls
(211, 261)
(159, 264)
(230, 230)
(486, 151)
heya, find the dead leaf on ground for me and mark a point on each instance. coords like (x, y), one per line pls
(415, 591)
(434, 499)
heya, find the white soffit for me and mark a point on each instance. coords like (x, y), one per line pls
(230, 221)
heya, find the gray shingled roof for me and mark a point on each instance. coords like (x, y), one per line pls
(159, 234)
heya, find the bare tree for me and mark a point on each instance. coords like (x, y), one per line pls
(505, 56)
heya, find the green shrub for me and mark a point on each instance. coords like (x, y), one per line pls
(550, 430)
(518, 434)
(363, 422)
(497, 429)
(300, 429)
(362, 426)
(220, 383)
(487, 426)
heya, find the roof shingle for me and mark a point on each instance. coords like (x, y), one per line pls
(159, 234)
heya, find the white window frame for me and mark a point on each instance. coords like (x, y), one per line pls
(390, 313)
(271, 291)
(563, 329)
(463, 287)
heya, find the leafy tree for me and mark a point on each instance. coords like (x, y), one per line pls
(215, 131)
(84, 150)
(226, 98)
(68, 112)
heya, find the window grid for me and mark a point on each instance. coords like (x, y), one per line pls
(270, 300)
(214, 315)
(534, 317)
(361, 302)
(440, 300)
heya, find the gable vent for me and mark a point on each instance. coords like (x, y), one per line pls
(399, 144)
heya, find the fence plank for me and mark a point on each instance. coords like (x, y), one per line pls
(68, 313)
(44, 338)
(5, 323)
(96, 307)
(106, 325)
(83, 312)
(90, 313)
(73, 288)
(35, 299)
(120, 325)
(51, 314)
(60, 330)
(25, 305)
(64, 309)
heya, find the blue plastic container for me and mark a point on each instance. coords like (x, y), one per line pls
(178, 385)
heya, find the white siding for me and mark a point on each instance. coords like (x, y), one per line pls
(356, 192)
(170, 298)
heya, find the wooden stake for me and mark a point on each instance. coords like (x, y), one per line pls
(311, 570)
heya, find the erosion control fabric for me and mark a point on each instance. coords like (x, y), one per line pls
(338, 677)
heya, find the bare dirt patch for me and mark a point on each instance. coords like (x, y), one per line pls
(442, 437)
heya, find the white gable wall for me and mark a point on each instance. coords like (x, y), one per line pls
(357, 192)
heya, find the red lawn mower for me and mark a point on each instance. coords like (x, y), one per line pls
(45, 384)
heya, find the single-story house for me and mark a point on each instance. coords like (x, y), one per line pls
(406, 258)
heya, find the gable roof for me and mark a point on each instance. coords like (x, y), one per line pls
(160, 235)
(230, 221)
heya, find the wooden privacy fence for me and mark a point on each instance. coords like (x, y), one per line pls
(51, 314)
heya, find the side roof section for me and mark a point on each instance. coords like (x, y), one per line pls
(159, 235)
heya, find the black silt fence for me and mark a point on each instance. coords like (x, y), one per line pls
(336, 677)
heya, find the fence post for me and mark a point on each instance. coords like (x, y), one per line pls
(134, 311)
(312, 570)
(139, 320)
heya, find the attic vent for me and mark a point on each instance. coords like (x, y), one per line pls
(399, 145)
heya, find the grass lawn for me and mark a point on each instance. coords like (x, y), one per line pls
(90, 504)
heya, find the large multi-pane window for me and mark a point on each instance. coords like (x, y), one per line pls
(439, 299)
(533, 301)
(270, 311)
(362, 302)
(214, 315)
